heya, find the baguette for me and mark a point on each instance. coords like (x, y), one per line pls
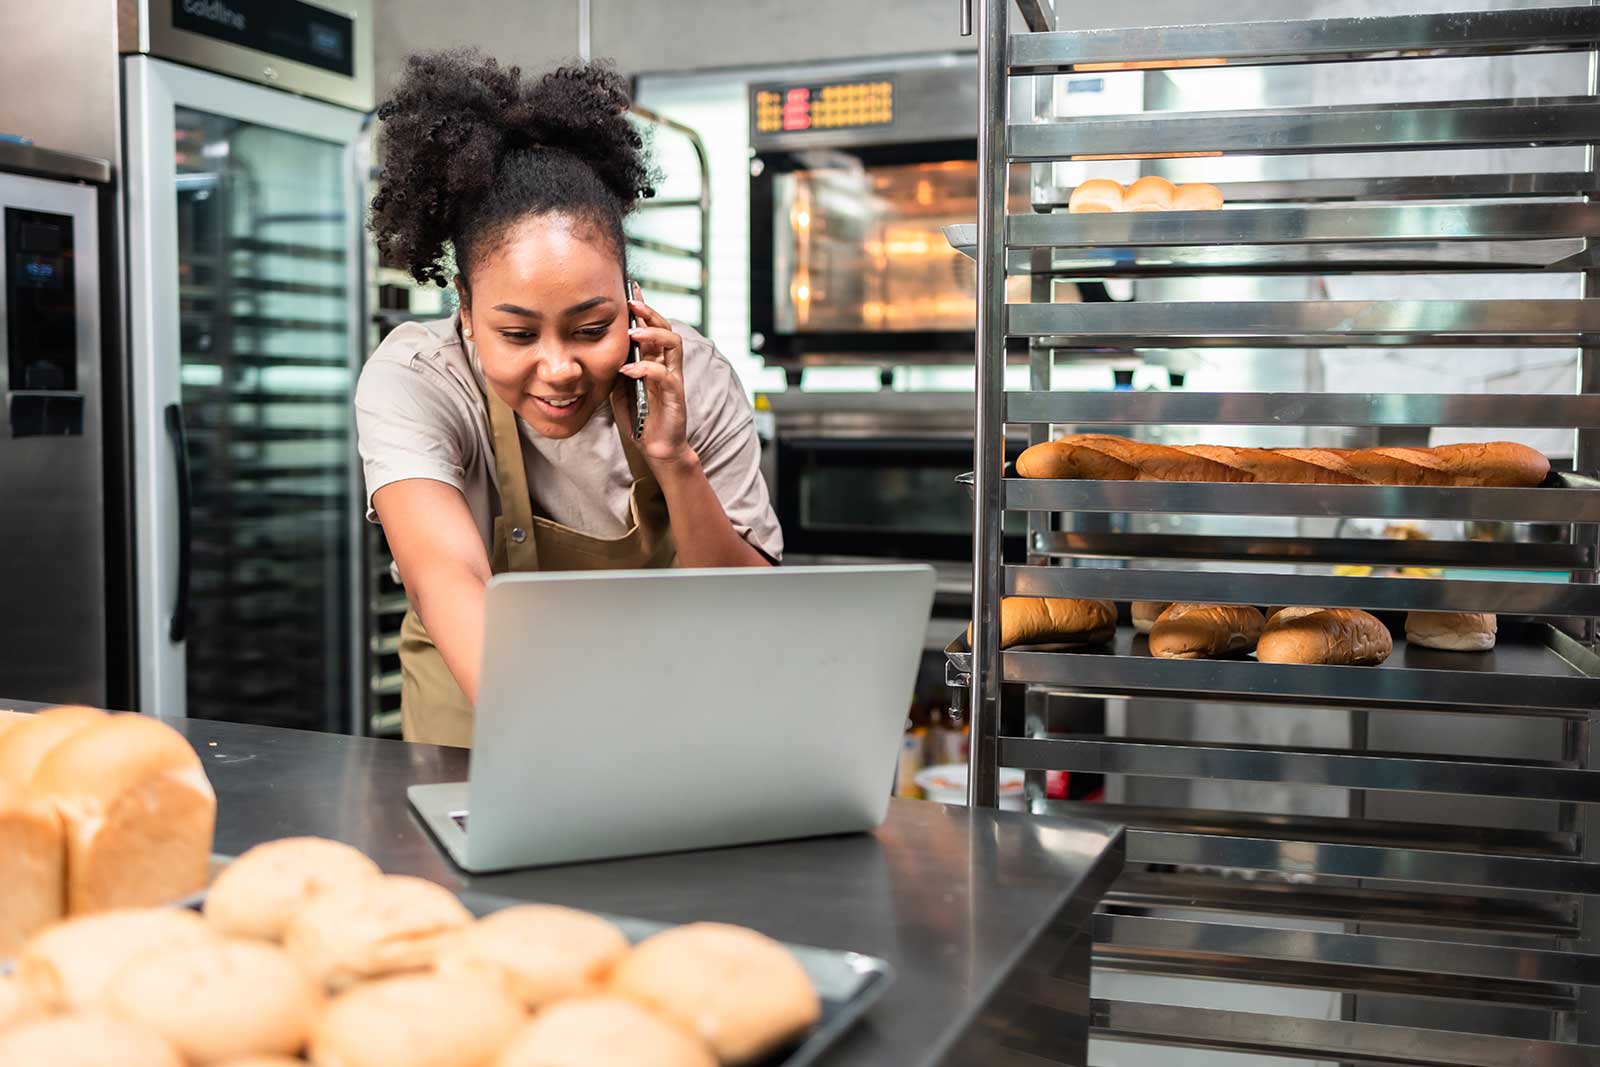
(1502, 464)
(1146, 612)
(1340, 636)
(1205, 631)
(1054, 620)
(1452, 631)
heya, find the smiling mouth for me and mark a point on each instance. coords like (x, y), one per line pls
(558, 407)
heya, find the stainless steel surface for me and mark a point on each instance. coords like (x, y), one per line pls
(1543, 674)
(1402, 772)
(30, 160)
(1354, 1042)
(52, 521)
(1320, 323)
(1527, 556)
(1133, 935)
(1324, 40)
(935, 99)
(1336, 501)
(1538, 598)
(701, 253)
(989, 419)
(146, 26)
(971, 907)
(1180, 407)
(1569, 185)
(1348, 128)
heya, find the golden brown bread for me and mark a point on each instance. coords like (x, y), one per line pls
(1028, 620)
(257, 894)
(603, 1031)
(1205, 631)
(1503, 464)
(1198, 196)
(1096, 195)
(1452, 631)
(1340, 636)
(540, 953)
(25, 745)
(373, 927)
(88, 1040)
(1150, 193)
(33, 886)
(416, 1020)
(137, 810)
(69, 966)
(1145, 613)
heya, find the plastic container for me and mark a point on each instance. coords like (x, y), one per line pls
(946, 783)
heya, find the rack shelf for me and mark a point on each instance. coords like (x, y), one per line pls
(1177, 408)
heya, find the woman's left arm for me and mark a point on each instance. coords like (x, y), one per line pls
(700, 526)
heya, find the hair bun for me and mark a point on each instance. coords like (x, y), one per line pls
(458, 116)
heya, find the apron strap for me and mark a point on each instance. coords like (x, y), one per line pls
(516, 502)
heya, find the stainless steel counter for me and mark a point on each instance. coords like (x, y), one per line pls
(985, 915)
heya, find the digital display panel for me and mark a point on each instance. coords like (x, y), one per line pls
(826, 106)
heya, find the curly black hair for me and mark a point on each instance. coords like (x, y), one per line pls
(471, 147)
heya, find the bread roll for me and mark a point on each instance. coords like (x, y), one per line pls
(1150, 193)
(26, 744)
(33, 888)
(217, 999)
(69, 966)
(1205, 631)
(1198, 196)
(17, 1004)
(257, 894)
(1095, 195)
(602, 1032)
(372, 928)
(1054, 620)
(1340, 636)
(138, 812)
(416, 1020)
(1146, 612)
(739, 990)
(264, 1061)
(539, 952)
(1452, 631)
(85, 1041)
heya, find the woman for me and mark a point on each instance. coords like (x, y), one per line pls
(501, 439)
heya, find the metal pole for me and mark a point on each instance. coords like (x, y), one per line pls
(989, 421)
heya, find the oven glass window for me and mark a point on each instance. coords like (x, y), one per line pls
(889, 499)
(860, 248)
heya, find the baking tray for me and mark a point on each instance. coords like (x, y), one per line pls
(1534, 669)
(848, 983)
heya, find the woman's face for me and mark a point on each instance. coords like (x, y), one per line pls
(550, 320)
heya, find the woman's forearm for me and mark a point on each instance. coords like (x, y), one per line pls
(451, 604)
(700, 528)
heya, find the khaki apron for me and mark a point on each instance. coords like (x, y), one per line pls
(432, 707)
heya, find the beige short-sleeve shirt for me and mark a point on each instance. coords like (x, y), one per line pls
(420, 413)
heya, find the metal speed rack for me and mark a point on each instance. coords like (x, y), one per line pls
(1443, 919)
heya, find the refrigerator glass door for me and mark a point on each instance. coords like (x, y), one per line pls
(249, 348)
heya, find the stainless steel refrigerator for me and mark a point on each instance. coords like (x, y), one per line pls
(244, 171)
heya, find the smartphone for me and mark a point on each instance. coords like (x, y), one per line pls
(641, 403)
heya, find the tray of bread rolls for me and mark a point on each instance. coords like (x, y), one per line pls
(1440, 661)
(303, 951)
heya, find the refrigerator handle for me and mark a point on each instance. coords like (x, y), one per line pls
(180, 451)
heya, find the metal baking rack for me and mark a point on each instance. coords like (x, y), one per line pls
(1444, 921)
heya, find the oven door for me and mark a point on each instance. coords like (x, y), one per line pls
(881, 497)
(847, 254)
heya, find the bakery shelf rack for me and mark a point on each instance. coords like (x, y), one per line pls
(1433, 934)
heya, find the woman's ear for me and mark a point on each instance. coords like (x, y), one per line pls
(466, 308)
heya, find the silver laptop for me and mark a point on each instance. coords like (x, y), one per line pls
(629, 712)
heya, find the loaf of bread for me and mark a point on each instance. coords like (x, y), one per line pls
(1145, 613)
(1095, 195)
(1150, 193)
(1339, 636)
(1205, 631)
(137, 810)
(740, 991)
(1503, 464)
(33, 886)
(1054, 620)
(27, 743)
(1452, 631)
